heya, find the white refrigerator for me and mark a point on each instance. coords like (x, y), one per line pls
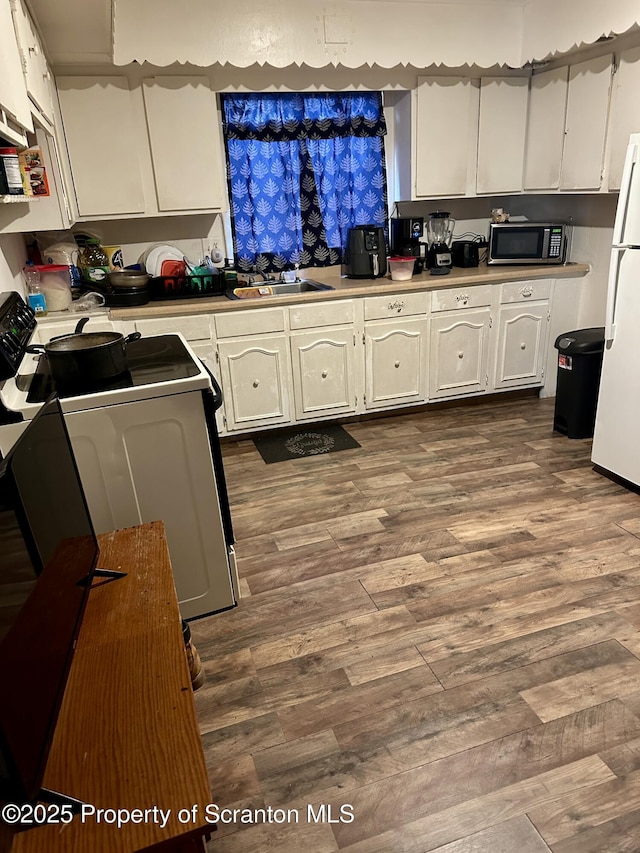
(616, 440)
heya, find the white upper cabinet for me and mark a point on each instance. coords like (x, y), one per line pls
(545, 129)
(103, 140)
(36, 69)
(142, 148)
(15, 111)
(586, 124)
(445, 133)
(185, 138)
(501, 134)
(625, 117)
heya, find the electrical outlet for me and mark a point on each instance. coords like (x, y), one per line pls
(215, 254)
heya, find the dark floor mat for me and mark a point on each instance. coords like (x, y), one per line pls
(295, 442)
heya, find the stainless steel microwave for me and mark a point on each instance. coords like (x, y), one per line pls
(529, 243)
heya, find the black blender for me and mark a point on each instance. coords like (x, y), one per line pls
(439, 235)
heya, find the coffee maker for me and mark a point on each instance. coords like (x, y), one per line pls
(406, 232)
(366, 252)
(439, 235)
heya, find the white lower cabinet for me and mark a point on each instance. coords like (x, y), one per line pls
(328, 359)
(395, 340)
(256, 381)
(522, 334)
(324, 372)
(395, 362)
(255, 368)
(459, 339)
(459, 353)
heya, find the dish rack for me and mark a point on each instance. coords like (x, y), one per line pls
(186, 286)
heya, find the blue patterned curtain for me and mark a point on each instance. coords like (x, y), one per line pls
(302, 170)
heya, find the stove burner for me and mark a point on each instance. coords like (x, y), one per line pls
(151, 361)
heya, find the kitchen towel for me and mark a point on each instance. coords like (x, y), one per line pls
(296, 442)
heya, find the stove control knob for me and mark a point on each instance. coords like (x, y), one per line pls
(10, 344)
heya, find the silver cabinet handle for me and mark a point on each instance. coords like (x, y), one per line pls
(256, 382)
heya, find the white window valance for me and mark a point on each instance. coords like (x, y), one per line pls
(355, 33)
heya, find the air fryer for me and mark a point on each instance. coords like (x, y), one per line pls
(366, 252)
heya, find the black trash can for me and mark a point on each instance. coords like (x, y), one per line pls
(579, 365)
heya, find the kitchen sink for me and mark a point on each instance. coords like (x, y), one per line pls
(260, 289)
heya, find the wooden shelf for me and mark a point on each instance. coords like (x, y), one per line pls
(127, 736)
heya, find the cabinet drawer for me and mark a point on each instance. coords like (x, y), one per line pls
(193, 328)
(249, 322)
(382, 307)
(525, 291)
(321, 314)
(461, 297)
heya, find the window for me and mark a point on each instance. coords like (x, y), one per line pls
(302, 169)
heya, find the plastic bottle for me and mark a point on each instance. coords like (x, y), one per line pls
(35, 296)
(93, 262)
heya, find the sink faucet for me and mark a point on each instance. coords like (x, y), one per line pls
(256, 272)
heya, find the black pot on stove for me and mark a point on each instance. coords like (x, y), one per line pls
(83, 360)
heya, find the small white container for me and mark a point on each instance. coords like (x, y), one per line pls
(55, 283)
(401, 268)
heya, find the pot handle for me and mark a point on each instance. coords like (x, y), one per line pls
(35, 349)
(134, 336)
(82, 322)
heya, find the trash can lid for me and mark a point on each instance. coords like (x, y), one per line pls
(581, 341)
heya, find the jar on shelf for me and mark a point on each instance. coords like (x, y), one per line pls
(93, 262)
(10, 177)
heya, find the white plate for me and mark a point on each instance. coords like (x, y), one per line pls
(158, 254)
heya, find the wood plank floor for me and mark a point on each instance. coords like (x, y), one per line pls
(439, 636)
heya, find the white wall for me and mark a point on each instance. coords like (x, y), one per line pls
(12, 259)
(195, 236)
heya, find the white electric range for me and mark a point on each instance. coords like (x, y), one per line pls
(146, 446)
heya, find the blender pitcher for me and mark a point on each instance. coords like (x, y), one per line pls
(439, 235)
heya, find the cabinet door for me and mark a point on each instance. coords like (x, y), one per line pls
(255, 380)
(185, 139)
(323, 372)
(395, 363)
(522, 336)
(99, 117)
(625, 118)
(450, 106)
(458, 353)
(15, 112)
(586, 124)
(501, 133)
(36, 70)
(545, 129)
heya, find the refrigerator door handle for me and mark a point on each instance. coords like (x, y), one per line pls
(612, 294)
(625, 191)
